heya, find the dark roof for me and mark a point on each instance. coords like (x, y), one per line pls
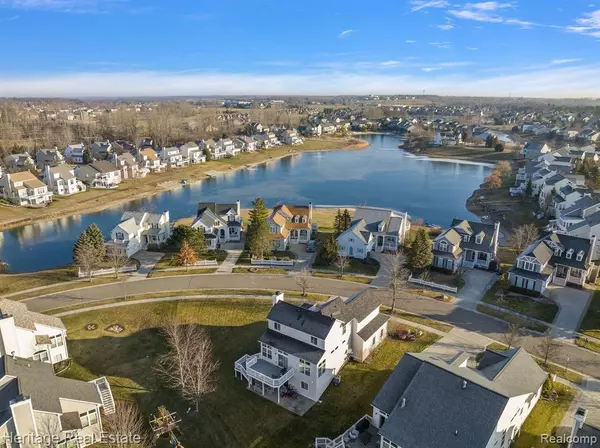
(358, 306)
(375, 324)
(534, 146)
(473, 229)
(218, 209)
(9, 392)
(292, 346)
(554, 179)
(397, 383)
(301, 319)
(103, 166)
(529, 274)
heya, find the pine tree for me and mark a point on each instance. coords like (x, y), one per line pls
(346, 220)
(420, 255)
(257, 235)
(329, 252)
(97, 239)
(529, 188)
(87, 157)
(337, 223)
(82, 242)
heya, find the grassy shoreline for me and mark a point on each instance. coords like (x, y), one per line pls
(94, 200)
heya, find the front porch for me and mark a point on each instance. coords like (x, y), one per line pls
(386, 243)
(476, 259)
(564, 275)
(299, 236)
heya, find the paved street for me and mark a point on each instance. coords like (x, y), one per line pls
(579, 359)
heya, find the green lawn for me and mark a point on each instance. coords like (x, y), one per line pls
(523, 305)
(497, 346)
(511, 318)
(546, 416)
(231, 416)
(560, 371)
(169, 260)
(10, 283)
(257, 270)
(441, 326)
(590, 325)
(588, 343)
(191, 271)
(347, 277)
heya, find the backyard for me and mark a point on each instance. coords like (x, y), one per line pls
(231, 416)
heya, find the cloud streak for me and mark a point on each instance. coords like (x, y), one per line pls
(418, 5)
(588, 25)
(346, 33)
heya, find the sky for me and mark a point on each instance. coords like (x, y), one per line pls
(77, 48)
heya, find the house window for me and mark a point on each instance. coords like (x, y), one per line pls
(88, 418)
(381, 333)
(273, 229)
(313, 340)
(374, 341)
(558, 252)
(304, 385)
(350, 240)
(42, 355)
(360, 251)
(120, 236)
(267, 351)
(478, 239)
(277, 326)
(321, 368)
(443, 246)
(304, 219)
(482, 256)
(466, 238)
(570, 254)
(304, 367)
(57, 341)
(385, 443)
(343, 328)
(295, 219)
(580, 255)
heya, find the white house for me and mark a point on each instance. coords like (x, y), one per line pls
(249, 143)
(582, 219)
(141, 231)
(48, 157)
(24, 189)
(373, 229)
(222, 223)
(305, 347)
(30, 335)
(225, 147)
(147, 158)
(101, 150)
(461, 402)
(466, 243)
(290, 224)
(290, 137)
(172, 157)
(556, 258)
(532, 150)
(99, 174)
(75, 153)
(192, 153)
(61, 180)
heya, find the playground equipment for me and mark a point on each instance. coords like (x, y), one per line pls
(166, 422)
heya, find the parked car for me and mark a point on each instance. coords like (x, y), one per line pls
(311, 246)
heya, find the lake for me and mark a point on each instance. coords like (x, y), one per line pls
(381, 175)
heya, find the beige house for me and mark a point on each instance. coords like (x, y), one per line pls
(24, 189)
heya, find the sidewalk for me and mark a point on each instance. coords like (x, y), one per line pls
(227, 266)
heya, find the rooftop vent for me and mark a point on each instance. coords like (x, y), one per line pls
(464, 385)
(403, 403)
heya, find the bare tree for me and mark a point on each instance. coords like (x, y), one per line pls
(303, 280)
(523, 236)
(512, 336)
(341, 262)
(86, 257)
(201, 371)
(117, 258)
(396, 274)
(549, 347)
(126, 428)
(49, 429)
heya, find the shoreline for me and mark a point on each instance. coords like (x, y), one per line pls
(170, 185)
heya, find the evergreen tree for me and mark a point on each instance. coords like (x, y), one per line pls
(97, 239)
(337, 223)
(346, 220)
(208, 154)
(257, 235)
(329, 251)
(420, 255)
(87, 157)
(194, 237)
(82, 242)
(529, 188)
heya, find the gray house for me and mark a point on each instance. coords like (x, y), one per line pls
(48, 157)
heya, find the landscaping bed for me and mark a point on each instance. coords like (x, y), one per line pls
(511, 318)
(169, 260)
(191, 271)
(346, 277)
(234, 327)
(537, 307)
(259, 270)
(590, 325)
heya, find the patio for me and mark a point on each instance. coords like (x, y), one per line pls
(298, 405)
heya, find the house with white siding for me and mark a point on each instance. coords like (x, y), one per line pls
(373, 229)
(290, 137)
(61, 180)
(99, 174)
(305, 346)
(221, 223)
(192, 153)
(172, 157)
(582, 219)
(24, 189)
(74, 153)
(141, 231)
(147, 158)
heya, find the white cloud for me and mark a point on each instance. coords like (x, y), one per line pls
(442, 45)
(430, 69)
(472, 48)
(559, 81)
(489, 12)
(522, 23)
(346, 33)
(411, 41)
(589, 24)
(488, 6)
(563, 61)
(389, 63)
(446, 27)
(418, 5)
(477, 15)
(455, 64)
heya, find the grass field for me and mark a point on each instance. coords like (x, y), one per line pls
(240, 270)
(588, 343)
(590, 325)
(191, 271)
(441, 326)
(511, 318)
(522, 305)
(231, 416)
(346, 277)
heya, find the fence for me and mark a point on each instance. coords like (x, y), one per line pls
(272, 262)
(106, 271)
(206, 263)
(418, 281)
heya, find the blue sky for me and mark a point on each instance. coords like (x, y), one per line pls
(541, 48)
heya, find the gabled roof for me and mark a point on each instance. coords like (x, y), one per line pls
(22, 176)
(103, 166)
(292, 346)
(543, 250)
(301, 319)
(25, 318)
(358, 306)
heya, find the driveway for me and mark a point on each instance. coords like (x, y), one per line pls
(303, 259)
(477, 282)
(573, 304)
(147, 262)
(382, 280)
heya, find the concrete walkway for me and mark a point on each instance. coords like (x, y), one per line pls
(229, 263)
(147, 261)
(381, 280)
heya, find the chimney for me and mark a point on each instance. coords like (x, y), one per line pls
(237, 203)
(310, 212)
(403, 403)
(277, 297)
(464, 386)
(167, 217)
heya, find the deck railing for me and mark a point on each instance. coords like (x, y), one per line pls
(339, 441)
(244, 366)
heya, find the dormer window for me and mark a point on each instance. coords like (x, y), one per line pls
(570, 254)
(466, 238)
(479, 239)
(304, 219)
(558, 252)
(443, 246)
(580, 255)
(295, 219)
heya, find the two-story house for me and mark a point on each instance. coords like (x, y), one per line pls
(19, 162)
(141, 231)
(61, 180)
(24, 189)
(222, 223)
(290, 137)
(48, 157)
(99, 174)
(127, 165)
(172, 157)
(373, 229)
(248, 143)
(224, 148)
(305, 347)
(556, 258)
(101, 150)
(148, 159)
(75, 153)
(582, 219)
(290, 224)
(461, 402)
(534, 149)
(466, 243)
(192, 153)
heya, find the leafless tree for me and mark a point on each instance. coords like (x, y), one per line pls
(303, 280)
(126, 428)
(396, 275)
(117, 258)
(549, 347)
(341, 262)
(523, 236)
(512, 336)
(49, 429)
(188, 366)
(86, 258)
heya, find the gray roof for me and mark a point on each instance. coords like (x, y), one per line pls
(464, 227)
(554, 179)
(590, 220)
(543, 276)
(581, 204)
(436, 397)
(373, 326)
(103, 166)
(37, 380)
(358, 306)
(298, 318)
(534, 146)
(543, 250)
(292, 346)
(25, 318)
(65, 171)
(373, 216)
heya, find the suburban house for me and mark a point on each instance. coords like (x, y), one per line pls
(249, 143)
(225, 148)
(290, 224)
(290, 137)
(255, 128)
(99, 174)
(101, 150)
(75, 153)
(373, 229)
(467, 244)
(306, 346)
(38, 405)
(566, 197)
(61, 180)
(192, 153)
(172, 157)
(141, 231)
(127, 165)
(582, 219)
(148, 158)
(48, 157)
(558, 259)
(533, 149)
(19, 162)
(457, 403)
(24, 189)
(222, 223)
